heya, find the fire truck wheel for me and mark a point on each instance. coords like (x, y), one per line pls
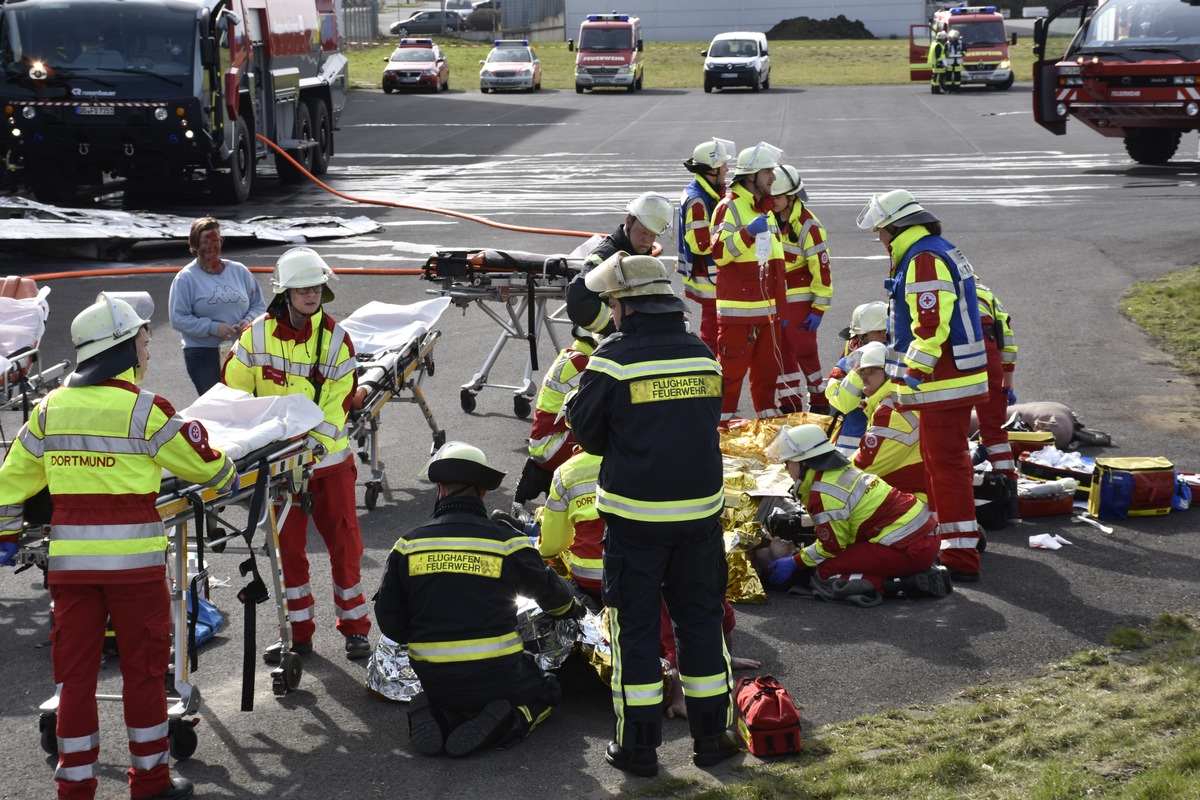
(1152, 145)
(233, 186)
(322, 131)
(47, 723)
(302, 130)
(1002, 87)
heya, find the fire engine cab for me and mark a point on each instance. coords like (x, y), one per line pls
(609, 52)
(985, 45)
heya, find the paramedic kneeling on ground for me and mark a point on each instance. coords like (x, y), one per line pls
(867, 532)
(449, 592)
(100, 444)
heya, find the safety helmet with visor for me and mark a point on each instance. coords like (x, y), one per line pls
(897, 207)
(807, 444)
(302, 268)
(104, 333)
(711, 154)
(462, 463)
(652, 210)
(788, 182)
(757, 158)
(867, 318)
(643, 281)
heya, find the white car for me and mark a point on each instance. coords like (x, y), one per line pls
(737, 59)
(512, 64)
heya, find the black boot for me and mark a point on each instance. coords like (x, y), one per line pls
(179, 789)
(426, 727)
(482, 730)
(708, 752)
(639, 761)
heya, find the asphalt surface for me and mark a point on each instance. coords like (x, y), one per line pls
(1058, 227)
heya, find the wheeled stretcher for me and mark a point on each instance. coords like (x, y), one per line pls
(394, 347)
(266, 439)
(532, 291)
(23, 378)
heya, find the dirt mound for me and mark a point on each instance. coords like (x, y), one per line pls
(807, 28)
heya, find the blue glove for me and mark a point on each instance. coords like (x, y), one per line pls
(235, 484)
(1012, 397)
(812, 321)
(8, 554)
(780, 571)
(757, 225)
(913, 381)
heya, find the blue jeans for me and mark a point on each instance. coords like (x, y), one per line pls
(203, 367)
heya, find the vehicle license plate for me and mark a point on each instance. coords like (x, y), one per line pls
(728, 74)
(95, 111)
(408, 80)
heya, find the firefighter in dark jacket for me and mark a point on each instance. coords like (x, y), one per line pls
(646, 218)
(449, 592)
(649, 402)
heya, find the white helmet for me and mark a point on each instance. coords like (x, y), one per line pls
(872, 354)
(459, 462)
(109, 321)
(787, 182)
(954, 34)
(623, 275)
(799, 443)
(941, 36)
(652, 210)
(754, 159)
(869, 317)
(713, 153)
(896, 207)
(300, 268)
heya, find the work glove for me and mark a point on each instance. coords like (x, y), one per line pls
(8, 550)
(812, 321)
(780, 571)
(1012, 396)
(757, 225)
(913, 378)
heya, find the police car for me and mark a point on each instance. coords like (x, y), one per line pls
(416, 64)
(512, 64)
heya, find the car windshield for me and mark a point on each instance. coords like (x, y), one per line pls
(106, 35)
(980, 34)
(733, 48)
(1151, 23)
(606, 39)
(510, 55)
(412, 54)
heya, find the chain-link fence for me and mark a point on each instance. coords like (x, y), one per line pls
(360, 21)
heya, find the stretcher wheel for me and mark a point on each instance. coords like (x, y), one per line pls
(181, 739)
(429, 366)
(371, 495)
(307, 501)
(286, 677)
(47, 725)
(467, 400)
(521, 406)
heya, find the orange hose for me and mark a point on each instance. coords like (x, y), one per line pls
(115, 271)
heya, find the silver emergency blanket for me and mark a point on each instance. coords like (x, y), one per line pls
(390, 675)
(239, 423)
(378, 327)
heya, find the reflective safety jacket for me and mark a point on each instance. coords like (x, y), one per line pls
(937, 56)
(272, 359)
(649, 403)
(806, 259)
(997, 326)
(101, 450)
(696, 206)
(570, 521)
(934, 322)
(450, 588)
(746, 291)
(849, 506)
(586, 308)
(891, 446)
(844, 391)
(550, 440)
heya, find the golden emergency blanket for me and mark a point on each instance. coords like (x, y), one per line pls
(748, 438)
(746, 477)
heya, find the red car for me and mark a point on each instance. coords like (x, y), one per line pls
(416, 64)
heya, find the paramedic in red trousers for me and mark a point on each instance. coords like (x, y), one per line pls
(550, 440)
(843, 388)
(867, 533)
(646, 218)
(297, 348)
(100, 444)
(991, 410)
(649, 404)
(938, 363)
(709, 163)
(449, 591)
(808, 291)
(748, 283)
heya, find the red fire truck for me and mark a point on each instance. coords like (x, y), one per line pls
(985, 45)
(160, 91)
(1125, 68)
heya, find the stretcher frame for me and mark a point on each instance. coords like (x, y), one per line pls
(526, 285)
(25, 382)
(270, 479)
(398, 369)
